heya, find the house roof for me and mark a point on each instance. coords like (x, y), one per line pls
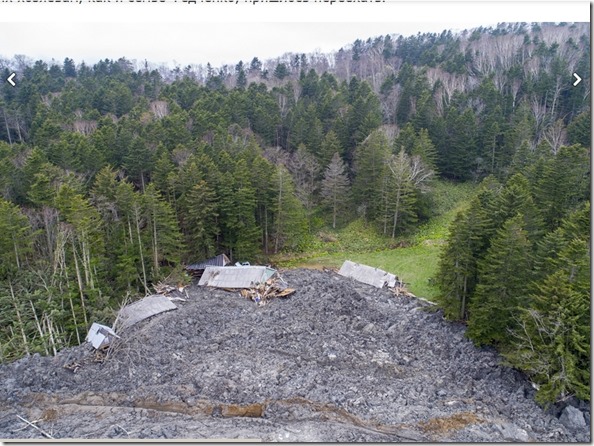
(367, 274)
(220, 260)
(143, 309)
(235, 276)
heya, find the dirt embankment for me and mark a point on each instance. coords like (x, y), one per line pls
(336, 361)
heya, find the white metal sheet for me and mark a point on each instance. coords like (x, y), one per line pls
(235, 276)
(144, 308)
(367, 274)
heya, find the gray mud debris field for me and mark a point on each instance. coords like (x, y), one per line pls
(336, 361)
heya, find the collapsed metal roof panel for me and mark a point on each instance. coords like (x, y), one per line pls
(235, 276)
(143, 309)
(220, 260)
(367, 274)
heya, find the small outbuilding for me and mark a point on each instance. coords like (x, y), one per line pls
(143, 309)
(100, 336)
(197, 269)
(236, 276)
(368, 274)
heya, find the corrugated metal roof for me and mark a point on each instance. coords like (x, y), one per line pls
(220, 260)
(367, 274)
(235, 276)
(143, 309)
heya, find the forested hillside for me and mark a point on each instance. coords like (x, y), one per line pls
(113, 175)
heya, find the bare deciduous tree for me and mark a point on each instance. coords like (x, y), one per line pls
(160, 109)
(556, 136)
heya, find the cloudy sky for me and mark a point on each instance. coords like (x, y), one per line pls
(226, 33)
(196, 43)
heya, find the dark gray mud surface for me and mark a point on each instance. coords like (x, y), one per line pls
(336, 361)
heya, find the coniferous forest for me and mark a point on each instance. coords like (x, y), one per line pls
(115, 175)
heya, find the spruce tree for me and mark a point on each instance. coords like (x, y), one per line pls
(564, 184)
(165, 238)
(370, 174)
(503, 275)
(289, 224)
(552, 340)
(458, 270)
(330, 146)
(262, 173)
(335, 187)
(200, 224)
(16, 241)
(425, 149)
(515, 197)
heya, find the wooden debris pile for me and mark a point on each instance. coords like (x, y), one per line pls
(262, 293)
(402, 291)
(164, 288)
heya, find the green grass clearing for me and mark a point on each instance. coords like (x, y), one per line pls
(416, 263)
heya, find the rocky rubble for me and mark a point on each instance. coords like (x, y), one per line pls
(336, 361)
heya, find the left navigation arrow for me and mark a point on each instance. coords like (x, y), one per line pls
(10, 79)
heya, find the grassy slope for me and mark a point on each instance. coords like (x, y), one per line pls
(415, 264)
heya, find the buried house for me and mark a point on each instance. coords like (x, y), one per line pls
(369, 275)
(235, 276)
(197, 269)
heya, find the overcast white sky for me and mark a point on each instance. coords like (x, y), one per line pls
(187, 43)
(225, 33)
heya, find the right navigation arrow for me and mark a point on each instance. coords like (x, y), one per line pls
(577, 79)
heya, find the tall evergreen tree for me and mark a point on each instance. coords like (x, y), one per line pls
(503, 275)
(16, 241)
(200, 222)
(165, 238)
(335, 187)
(330, 146)
(371, 174)
(564, 184)
(458, 263)
(289, 224)
(552, 339)
(514, 198)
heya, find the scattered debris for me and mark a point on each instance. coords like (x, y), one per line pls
(73, 366)
(369, 275)
(402, 291)
(258, 283)
(44, 433)
(181, 299)
(100, 335)
(197, 269)
(143, 309)
(101, 355)
(235, 277)
(162, 288)
(262, 293)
